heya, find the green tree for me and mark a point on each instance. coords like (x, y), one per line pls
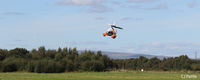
(3, 54)
(51, 54)
(153, 64)
(35, 54)
(42, 51)
(19, 52)
(9, 65)
(141, 62)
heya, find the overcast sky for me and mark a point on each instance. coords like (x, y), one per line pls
(158, 27)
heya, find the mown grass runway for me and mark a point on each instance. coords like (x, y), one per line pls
(98, 76)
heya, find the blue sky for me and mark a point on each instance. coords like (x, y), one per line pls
(158, 27)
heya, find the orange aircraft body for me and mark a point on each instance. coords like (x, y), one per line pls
(111, 31)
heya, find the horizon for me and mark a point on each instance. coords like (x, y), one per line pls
(153, 27)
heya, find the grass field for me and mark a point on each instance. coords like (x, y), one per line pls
(101, 76)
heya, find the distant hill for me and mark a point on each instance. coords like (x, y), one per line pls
(121, 55)
(124, 55)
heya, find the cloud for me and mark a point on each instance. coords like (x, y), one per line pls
(71, 43)
(13, 13)
(126, 18)
(130, 19)
(142, 1)
(116, 3)
(136, 7)
(99, 18)
(86, 43)
(19, 40)
(80, 2)
(99, 9)
(96, 6)
(192, 4)
(160, 6)
(94, 43)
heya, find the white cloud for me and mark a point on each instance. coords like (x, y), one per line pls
(126, 18)
(142, 1)
(161, 6)
(94, 43)
(99, 9)
(100, 18)
(130, 19)
(13, 13)
(80, 2)
(97, 6)
(192, 4)
(116, 3)
(86, 43)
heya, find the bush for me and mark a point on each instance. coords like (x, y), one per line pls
(46, 66)
(92, 66)
(1, 66)
(9, 65)
(14, 64)
(195, 67)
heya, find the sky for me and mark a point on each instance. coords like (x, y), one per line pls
(156, 27)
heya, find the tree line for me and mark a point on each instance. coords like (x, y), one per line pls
(70, 60)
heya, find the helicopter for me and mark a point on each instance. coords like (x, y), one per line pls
(111, 31)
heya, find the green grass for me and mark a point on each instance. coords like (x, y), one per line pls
(98, 76)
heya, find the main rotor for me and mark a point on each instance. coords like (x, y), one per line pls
(114, 26)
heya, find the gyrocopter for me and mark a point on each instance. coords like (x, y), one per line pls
(111, 31)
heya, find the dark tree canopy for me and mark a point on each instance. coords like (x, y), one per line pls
(42, 60)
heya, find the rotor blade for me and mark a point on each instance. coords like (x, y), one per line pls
(118, 27)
